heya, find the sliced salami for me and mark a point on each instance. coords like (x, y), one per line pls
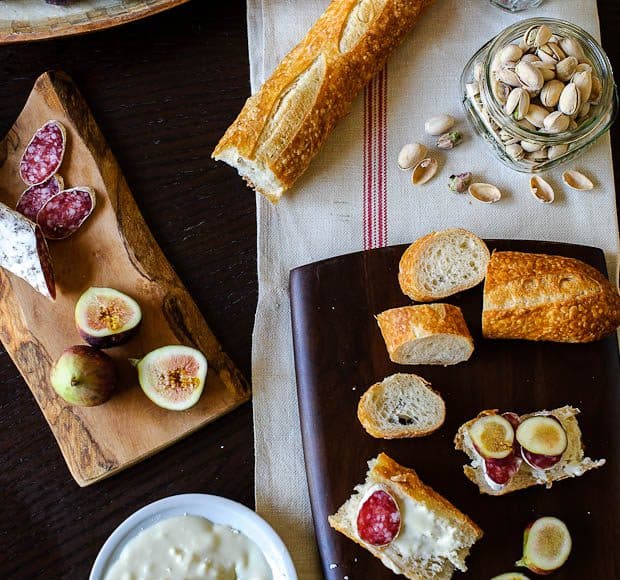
(43, 155)
(378, 518)
(35, 197)
(63, 214)
(24, 252)
(501, 471)
(538, 461)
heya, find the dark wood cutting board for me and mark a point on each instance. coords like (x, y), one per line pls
(339, 352)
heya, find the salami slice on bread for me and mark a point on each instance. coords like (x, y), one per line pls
(572, 464)
(434, 538)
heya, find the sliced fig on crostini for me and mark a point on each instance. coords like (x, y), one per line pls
(378, 517)
(173, 377)
(492, 436)
(511, 576)
(543, 440)
(105, 317)
(546, 545)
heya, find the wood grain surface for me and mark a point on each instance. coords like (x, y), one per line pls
(335, 368)
(114, 248)
(163, 91)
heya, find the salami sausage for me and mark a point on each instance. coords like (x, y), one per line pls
(64, 213)
(43, 155)
(24, 252)
(538, 461)
(501, 470)
(35, 197)
(378, 519)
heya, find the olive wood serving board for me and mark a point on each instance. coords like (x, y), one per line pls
(113, 248)
(339, 353)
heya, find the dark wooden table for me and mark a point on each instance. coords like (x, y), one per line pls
(163, 90)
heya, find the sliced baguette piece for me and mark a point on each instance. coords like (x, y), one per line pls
(441, 264)
(402, 405)
(541, 297)
(572, 464)
(426, 518)
(426, 334)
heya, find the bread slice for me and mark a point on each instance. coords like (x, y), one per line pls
(441, 264)
(541, 297)
(572, 464)
(402, 405)
(426, 334)
(438, 541)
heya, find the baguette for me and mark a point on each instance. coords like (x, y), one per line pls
(441, 264)
(432, 548)
(540, 297)
(572, 464)
(426, 334)
(283, 126)
(402, 405)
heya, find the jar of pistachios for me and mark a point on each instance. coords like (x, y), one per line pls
(540, 93)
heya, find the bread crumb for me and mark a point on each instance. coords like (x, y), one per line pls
(332, 566)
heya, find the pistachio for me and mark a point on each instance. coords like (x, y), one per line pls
(439, 124)
(529, 76)
(556, 122)
(501, 91)
(536, 115)
(508, 76)
(477, 71)
(572, 47)
(597, 88)
(584, 110)
(527, 125)
(410, 155)
(577, 180)
(449, 140)
(541, 189)
(556, 151)
(565, 68)
(507, 138)
(537, 156)
(485, 192)
(583, 66)
(473, 89)
(570, 100)
(583, 81)
(510, 52)
(424, 171)
(572, 125)
(459, 182)
(550, 93)
(546, 69)
(518, 103)
(536, 36)
(515, 151)
(530, 57)
(531, 146)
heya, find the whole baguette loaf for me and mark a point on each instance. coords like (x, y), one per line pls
(283, 126)
(572, 464)
(541, 297)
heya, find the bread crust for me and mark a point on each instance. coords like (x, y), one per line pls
(400, 326)
(573, 457)
(408, 266)
(344, 75)
(541, 297)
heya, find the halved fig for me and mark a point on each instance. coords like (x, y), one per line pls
(493, 436)
(173, 377)
(378, 517)
(546, 545)
(511, 576)
(542, 435)
(105, 317)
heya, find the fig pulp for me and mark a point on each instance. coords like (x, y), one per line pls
(546, 545)
(173, 377)
(493, 436)
(510, 576)
(543, 440)
(105, 317)
(83, 376)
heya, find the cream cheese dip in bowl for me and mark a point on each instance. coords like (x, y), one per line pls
(194, 536)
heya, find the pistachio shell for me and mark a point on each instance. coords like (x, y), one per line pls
(565, 68)
(529, 76)
(541, 189)
(518, 103)
(424, 171)
(473, 89)
(550, 93)
(583, 81)
(530, 57)
(531, 146)
(527, 125)
(556, 122)
(510, 52)
(577, 180)
(583, 67)
(485, 192)
(410, 155)
(515, 151)
(597, 89)
(537, 156)
(501, 91)
(556, 151)
(439, 124)
(547, 70)
(536, 115)
(536, 36)
(508, 76)
(572, 47)
(584, 110)
(570, 100)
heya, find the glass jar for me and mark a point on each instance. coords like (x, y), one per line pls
(516, 5)
(505, 134)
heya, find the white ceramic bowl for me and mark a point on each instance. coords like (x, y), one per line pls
(217, 509)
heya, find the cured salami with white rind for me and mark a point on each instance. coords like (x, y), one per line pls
(43, 155)
(24, 252)
(35, 197)
(63, 214)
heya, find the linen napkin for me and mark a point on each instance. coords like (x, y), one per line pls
(354, 197)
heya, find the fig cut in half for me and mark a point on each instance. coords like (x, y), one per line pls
(173, 377)
(105, 317)
(542, 435)
(493, 436)
(546, 545)
(511, 576)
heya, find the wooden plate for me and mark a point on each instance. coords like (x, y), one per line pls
(23, 20)
(339, 352)
(113, 248)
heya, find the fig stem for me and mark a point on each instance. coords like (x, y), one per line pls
(134, 361)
